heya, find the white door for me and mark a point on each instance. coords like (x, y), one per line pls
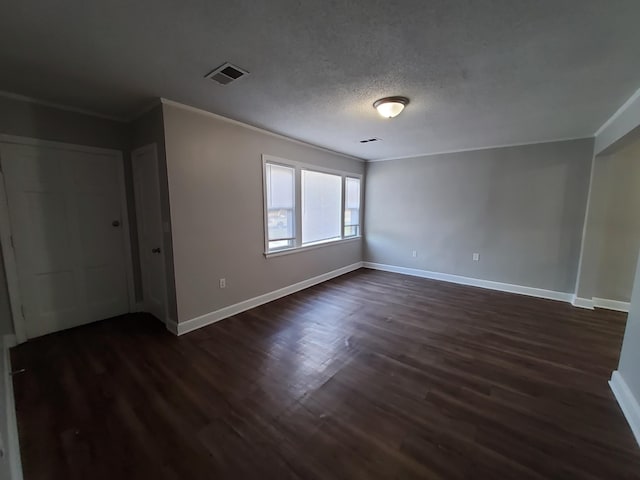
(146, 185)
(68, 235)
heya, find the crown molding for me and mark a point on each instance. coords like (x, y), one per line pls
(165, 101)
(462, 150)
(618, 112)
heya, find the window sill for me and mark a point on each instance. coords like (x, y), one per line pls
(312, 246)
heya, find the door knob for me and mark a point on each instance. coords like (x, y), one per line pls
(155, 250)
(116, 223)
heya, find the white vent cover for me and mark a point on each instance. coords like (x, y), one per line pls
(226, 73)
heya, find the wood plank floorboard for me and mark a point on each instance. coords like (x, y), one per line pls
(372, 375)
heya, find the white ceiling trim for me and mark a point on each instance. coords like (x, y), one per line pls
(173, 103)
(507, 145)
(58, 106)
(618, 112)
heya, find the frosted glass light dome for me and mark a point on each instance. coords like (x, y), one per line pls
(391, 106)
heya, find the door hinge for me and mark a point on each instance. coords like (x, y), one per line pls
(22, 310)
(12, 244)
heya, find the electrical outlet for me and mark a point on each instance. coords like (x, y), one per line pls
(414, 254)
(476, 257)
(223, 283)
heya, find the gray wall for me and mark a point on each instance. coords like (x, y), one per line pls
(215, 187)
(148, 129)
(521, 208)
(612, 235)
(45, 123)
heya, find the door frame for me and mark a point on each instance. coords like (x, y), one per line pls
(8, 254)
(152, 147)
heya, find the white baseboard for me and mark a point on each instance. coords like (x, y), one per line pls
(628, 403)
(172, 326)
(611, 304)
(475, 282)
(217, 315)
(505, 287)
(13, 444)
(582, 303)
(595, 302)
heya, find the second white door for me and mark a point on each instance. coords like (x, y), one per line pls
(146, 184)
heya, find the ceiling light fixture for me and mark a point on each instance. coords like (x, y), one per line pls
(390, 107)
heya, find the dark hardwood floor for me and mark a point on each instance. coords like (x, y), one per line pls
(370, 375)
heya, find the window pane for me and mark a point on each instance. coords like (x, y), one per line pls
(352, 207)
(321, 204)
(280, 205)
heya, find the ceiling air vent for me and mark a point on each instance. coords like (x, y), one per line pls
(226, 73)
(367, 140)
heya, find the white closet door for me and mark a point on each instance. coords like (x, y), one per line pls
(66, 221)
(146, 185)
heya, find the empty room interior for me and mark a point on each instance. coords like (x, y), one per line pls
(320, 240)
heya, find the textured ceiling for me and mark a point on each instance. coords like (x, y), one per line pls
(478, 73)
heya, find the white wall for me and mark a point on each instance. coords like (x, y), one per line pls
(629, 366)
(215, 189)
(619, 132)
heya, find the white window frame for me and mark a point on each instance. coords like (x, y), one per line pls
(298, 167)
